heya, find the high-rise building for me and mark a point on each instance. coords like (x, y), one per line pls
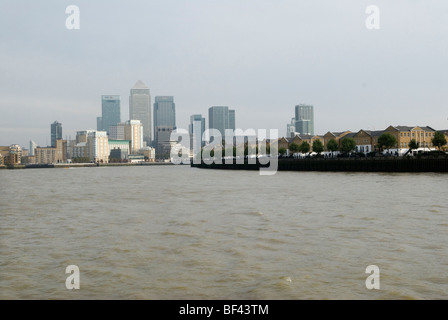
(116, 132)
(111, 115)
(33, 146)
(98, 146)
(196, 130)
(99, 123)
(164, 111)
(133, 131)
(163, 136)
(232, 119)
(56, 132)
(164, 122)
(140, 109)
(221, 118)
(81, 136)
(305, 119)
(291, 128)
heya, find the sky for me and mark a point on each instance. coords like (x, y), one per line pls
(259, 57)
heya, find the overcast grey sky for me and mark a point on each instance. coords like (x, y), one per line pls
(260, 57)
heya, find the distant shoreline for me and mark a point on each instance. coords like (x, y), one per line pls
(82, 165)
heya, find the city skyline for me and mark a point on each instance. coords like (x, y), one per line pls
(261, 58)
(202, 152)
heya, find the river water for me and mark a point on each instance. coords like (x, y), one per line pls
(175, 232)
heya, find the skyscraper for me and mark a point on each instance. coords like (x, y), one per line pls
(140, 109)
(33, 146)
(232, 119)
(305, 119)
(99, 123)
(164, 111)
(196, 130)
(133, 131)
(221, 118)
(56, 132)
(291, 128)
(110, 111)
(164, 122)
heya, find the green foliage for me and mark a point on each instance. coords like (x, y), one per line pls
(413, 144)
(439, 139)
(304, 147)
(294, 147)
(387, 141)
(348, 145)
(332, 145)
(282, 151)
(318, 146)
(81, 160)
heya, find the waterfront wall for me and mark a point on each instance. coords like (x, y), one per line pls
(82, 165)
(350, 165)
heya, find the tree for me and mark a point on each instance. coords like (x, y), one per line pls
(282, 151)
(439, 139)
(81, 160)
(250, 150)
(294, 147)
(332, 146)
(386, 141)
(318, 146)
(413, 145)
(348, 145)
(304, 147)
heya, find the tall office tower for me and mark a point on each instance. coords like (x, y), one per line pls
(305, 119)
(196, 130)
(33, 146)
(164, 122)
(110, 107)
(221, 118)
(56, 132)
(99, 123)
(140, 109)
(291, 128)
(232, 119)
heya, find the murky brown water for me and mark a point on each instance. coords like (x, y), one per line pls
(181, 233)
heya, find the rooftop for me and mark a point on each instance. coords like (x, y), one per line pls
(140, 85)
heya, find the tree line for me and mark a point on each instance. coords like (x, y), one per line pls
(385, 142)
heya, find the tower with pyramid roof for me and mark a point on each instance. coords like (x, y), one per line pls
(140, 109)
